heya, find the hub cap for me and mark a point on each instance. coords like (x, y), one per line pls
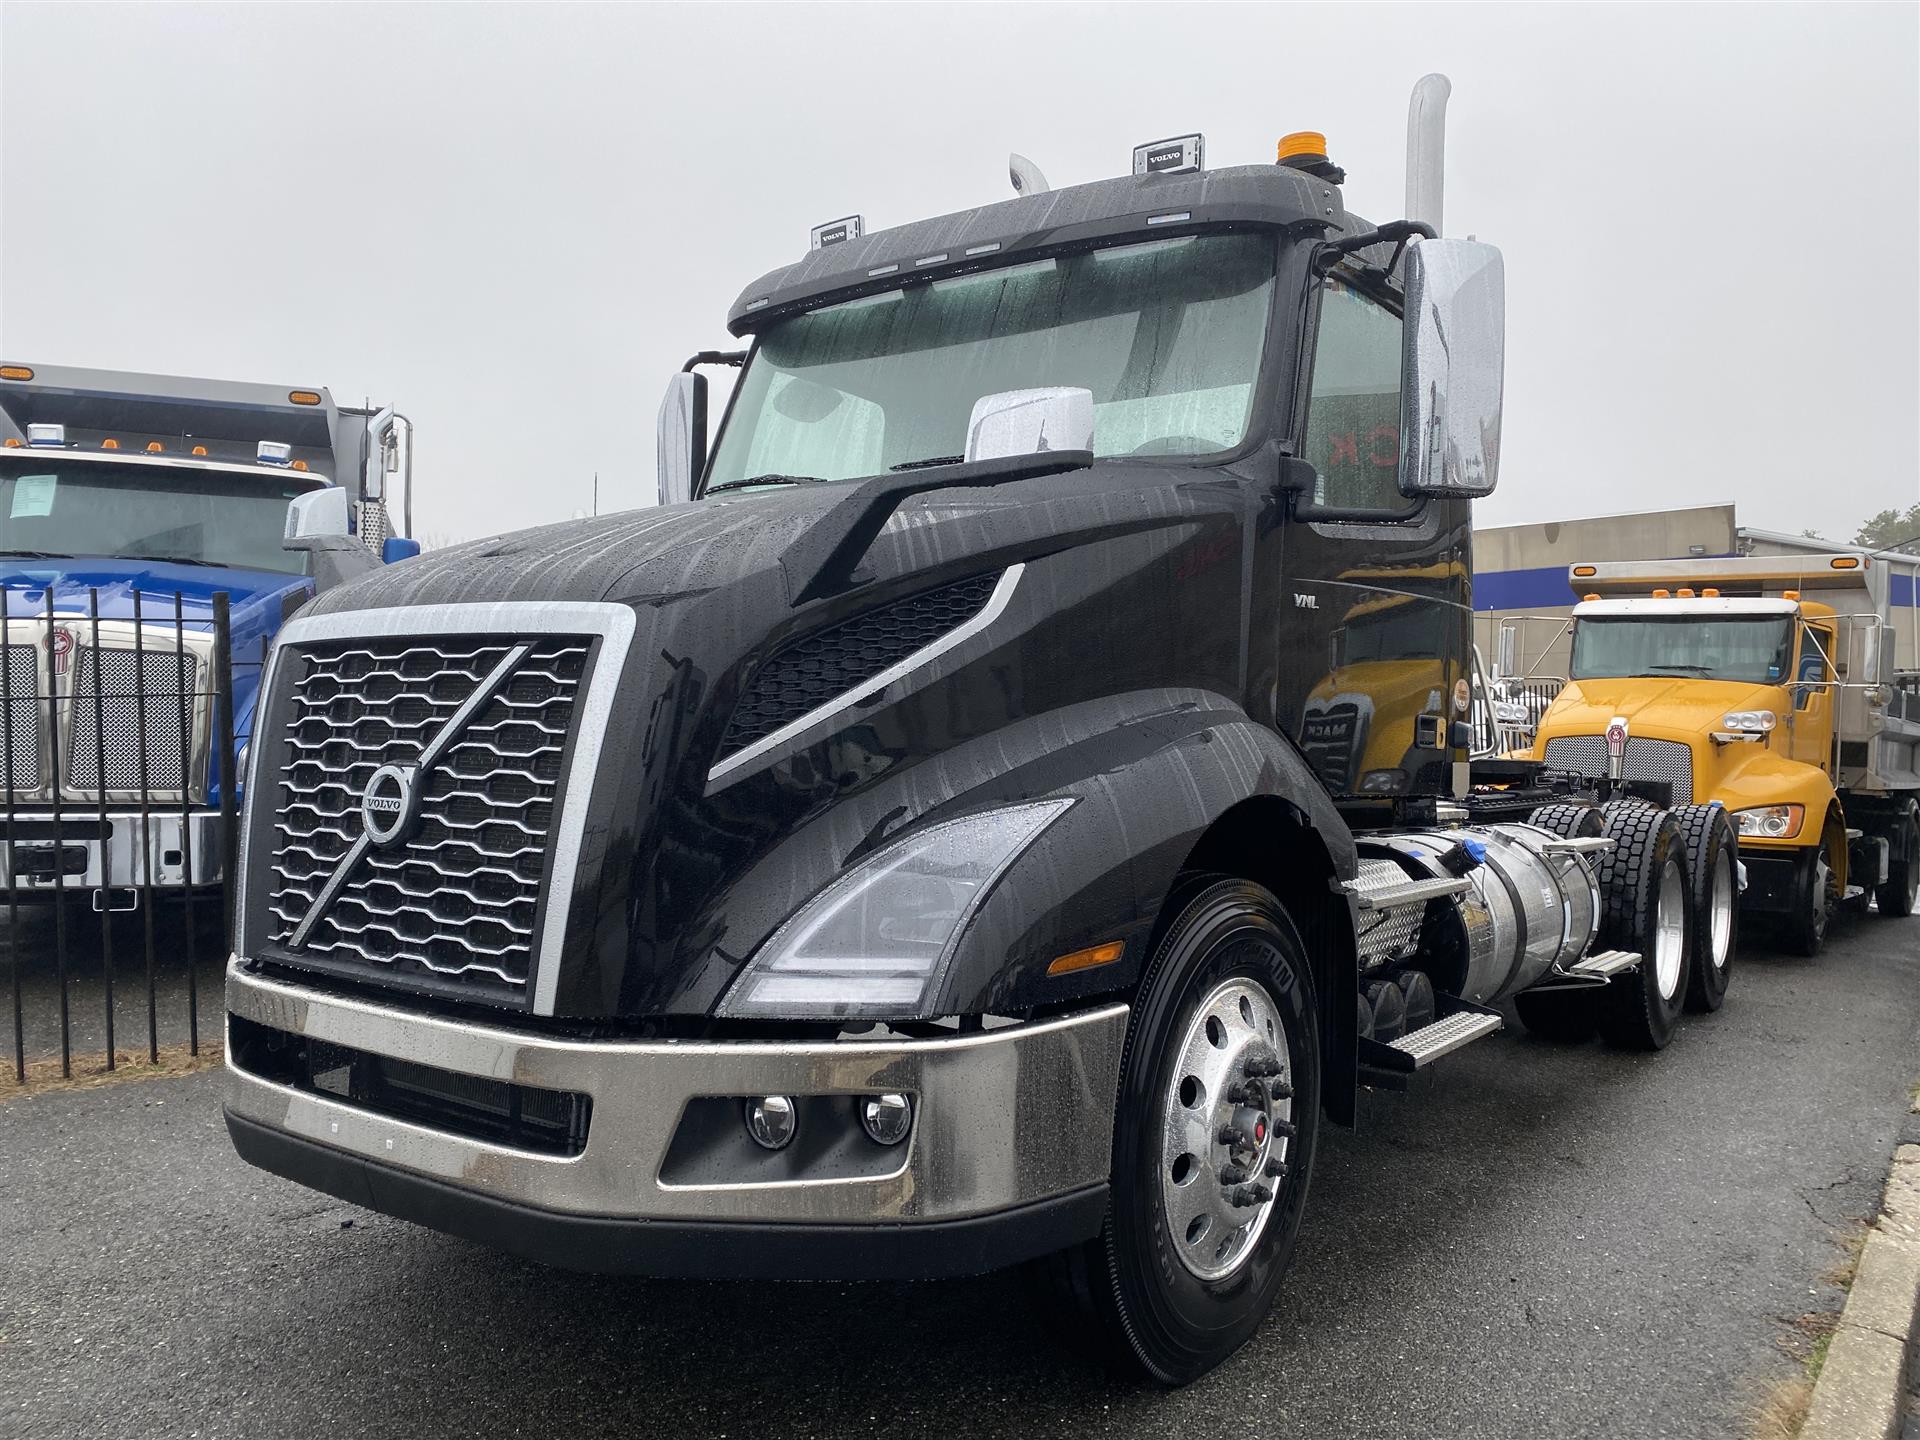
(1225, 1128)
(1670, 930)
(1721, 918)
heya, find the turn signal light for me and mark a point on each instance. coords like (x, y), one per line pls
(1585, 571)
(1845, 562)
(1087, 959)
(15, 372)
(303, 397)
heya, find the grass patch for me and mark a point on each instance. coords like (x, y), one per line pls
(90, 1072)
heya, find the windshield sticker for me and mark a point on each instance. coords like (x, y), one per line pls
(32, 495)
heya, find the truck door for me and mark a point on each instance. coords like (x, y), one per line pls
(1811, 737)
(1374, 624)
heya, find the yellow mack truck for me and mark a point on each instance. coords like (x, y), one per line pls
(1772, 685)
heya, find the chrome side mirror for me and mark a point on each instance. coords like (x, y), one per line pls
(318, 515)
(682, 436)
(1030, 422)
(1452, 364)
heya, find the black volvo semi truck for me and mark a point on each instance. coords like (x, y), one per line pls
(1006, 801)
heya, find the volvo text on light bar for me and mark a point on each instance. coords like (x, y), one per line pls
(1181, 155)
(838, 232)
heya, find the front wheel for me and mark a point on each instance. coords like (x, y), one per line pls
(1713, 849)
(1804, 931)
(1214, 1133)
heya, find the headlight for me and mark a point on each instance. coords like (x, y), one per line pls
(1771, 822)
(875, 943)
(1383, 782)
(1750, 722)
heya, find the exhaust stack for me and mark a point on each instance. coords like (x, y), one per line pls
(1427, 149)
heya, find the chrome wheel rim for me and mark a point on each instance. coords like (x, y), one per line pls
(1225, 1128)
(1670, 930)
(1822, 882)
(1721, 919)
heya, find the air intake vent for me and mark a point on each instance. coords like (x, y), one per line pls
(802, 676)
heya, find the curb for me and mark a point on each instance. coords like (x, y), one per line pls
(1861, 1387)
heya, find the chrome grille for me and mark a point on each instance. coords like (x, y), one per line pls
(458, 898)
(25, 716)
(1665, 762)
(170, 684)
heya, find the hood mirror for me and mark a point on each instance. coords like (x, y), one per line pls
(682, 436)
(1452, 362)
(316, 516)
(1030, 422)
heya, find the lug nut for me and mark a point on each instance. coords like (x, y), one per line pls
(1276, 1169)
(1232, 1175)
(771, 1121)
(1233, 1137)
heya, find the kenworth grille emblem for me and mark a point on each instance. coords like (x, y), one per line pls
(390, 804)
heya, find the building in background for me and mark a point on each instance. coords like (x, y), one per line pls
(1520, 575)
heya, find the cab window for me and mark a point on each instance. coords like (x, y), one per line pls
(1353, 405)
(1813, 672)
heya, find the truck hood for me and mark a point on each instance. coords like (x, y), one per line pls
(1672, 705)
(28, 582)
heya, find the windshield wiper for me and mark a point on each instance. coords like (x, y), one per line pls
(36, 555)
(760, 480)
(1683, 668)
(175, 560)
(929, 463)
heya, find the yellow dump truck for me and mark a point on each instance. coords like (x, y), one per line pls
(1772, 685)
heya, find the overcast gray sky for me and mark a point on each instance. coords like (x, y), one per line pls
(513, 222)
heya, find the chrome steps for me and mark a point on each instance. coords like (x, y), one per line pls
(1443, 1037)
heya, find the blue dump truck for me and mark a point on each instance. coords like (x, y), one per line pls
(155, 533)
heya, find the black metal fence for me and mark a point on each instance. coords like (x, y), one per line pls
(117, 747)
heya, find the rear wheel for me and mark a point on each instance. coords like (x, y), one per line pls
(1214, 1134)
(1569, 819)
(1645, 902)
(1899, 895)
(1714, 849)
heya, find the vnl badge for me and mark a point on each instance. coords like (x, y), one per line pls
(1617, 748)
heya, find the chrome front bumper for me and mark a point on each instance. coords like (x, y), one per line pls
(119, 861)
(1004, 1118)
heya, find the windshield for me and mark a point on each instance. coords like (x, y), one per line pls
(1403, 630)
(83, 508)
(1755, 649)
(1167, 335)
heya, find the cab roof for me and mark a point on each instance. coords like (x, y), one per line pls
(1030, 225)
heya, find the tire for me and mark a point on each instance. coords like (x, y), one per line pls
(1898, 896)
(1569, 820)
(1567, 1015)
(1804, 931)
(1714, 847)
(1168, 1306)
(1644, 906)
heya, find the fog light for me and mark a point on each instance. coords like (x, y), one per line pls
(886, 1118)
(771, 1121)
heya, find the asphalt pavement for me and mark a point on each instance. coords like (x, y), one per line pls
(1539, 1240)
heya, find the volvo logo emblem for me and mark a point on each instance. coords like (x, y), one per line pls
(389, 804)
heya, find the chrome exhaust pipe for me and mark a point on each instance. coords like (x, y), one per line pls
(1427, 149)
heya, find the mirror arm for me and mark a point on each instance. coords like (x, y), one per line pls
(735, 358)
(1396, 233)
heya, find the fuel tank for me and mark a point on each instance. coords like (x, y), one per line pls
(1530, 905)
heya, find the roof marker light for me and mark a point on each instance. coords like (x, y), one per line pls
(1709, 593)
(1789, 594)
(300, 465)
(879, 270)
(1593, 596)
(759, 304)
(47, 435)
(1663, 594)
(931, 259)
(109, 444)
(14, 442)
(1178, 155)
(838, 232)
(1686, 592)
(1583, 571)
(273, 452)
(304, 397)
(15, 372)
(199, 449)
(1845, 562)
(154, 447)
(1173, 218)
(982, 249)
